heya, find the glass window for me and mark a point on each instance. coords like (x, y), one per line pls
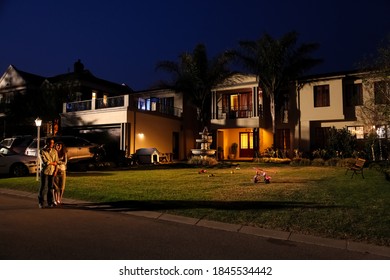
(354, 95)
(246, 140)
(321, 96)
(141, 104)
(234, 102)
(381, 131)
(381, 92)
(357, 131)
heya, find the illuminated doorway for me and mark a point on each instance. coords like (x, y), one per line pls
(246, 144)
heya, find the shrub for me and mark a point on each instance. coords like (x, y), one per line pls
(300, 162)
(387, 174)
(341, 143)
(319, 153)
(332, 161)
(275, 160)
(318, 162)
(206, 161)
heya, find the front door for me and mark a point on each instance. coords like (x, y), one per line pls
(246, 144)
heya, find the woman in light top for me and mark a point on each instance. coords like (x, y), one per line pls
(60, 175)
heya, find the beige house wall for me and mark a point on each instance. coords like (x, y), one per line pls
(332, 112)
(226, 137)
(153, 131)
(336, 115)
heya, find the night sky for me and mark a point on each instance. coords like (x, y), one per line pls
(121, 41)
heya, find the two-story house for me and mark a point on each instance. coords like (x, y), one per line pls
(15, 82)
(105, 112)
(304, 113)
(159, 118)
(241, 115)
(339, 100)
(145, 119)
(75, 85)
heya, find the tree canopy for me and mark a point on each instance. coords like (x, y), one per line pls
(194, 74)
(376, 81)
(276, 62)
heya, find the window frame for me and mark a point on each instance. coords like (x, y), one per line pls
(354, 94)
(321, 96)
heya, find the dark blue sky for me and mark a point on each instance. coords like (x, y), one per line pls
(121, 41)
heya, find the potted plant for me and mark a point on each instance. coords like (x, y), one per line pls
(233, 150)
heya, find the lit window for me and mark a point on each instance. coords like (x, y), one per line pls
(357, 131)
(381, 131)
(141, 104)
(244, 141)
(234, 102)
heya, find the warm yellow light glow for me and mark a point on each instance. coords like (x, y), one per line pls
(38, 122)
(141, 135)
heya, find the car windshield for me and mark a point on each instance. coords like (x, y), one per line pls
(6, 142)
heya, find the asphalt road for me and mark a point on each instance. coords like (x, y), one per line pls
(76, 231)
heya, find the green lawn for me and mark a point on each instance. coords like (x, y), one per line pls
(322, 201)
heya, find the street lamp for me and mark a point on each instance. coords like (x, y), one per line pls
(38, 123)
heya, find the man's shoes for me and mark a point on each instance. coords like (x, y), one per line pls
(40, 205)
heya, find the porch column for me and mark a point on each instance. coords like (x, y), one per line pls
(125, 138)
(214, 111)
(256, 130)
(256, 143)
(255, 102)
(93, 104)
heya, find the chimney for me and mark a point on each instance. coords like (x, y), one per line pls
(78, 66)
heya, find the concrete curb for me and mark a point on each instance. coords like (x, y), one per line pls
(261, 232)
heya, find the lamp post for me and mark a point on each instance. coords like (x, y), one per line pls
(38, 123)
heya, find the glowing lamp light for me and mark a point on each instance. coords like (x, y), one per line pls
(38, 123)
(141, 135)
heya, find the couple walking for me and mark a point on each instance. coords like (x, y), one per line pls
(53, 174)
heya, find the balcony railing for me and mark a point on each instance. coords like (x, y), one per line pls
(234, 114)
(96, 104)
(118, 102)
(78, 106)
(110, 102)
(166, 110)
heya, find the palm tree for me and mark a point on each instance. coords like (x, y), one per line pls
(276, 62)
(195, 75)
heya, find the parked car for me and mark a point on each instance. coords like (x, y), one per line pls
(78, 148)
(15, 164)
(17, 143)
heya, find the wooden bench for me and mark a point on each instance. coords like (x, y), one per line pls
(357, 167)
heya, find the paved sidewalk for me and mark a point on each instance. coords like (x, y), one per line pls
(267, 233)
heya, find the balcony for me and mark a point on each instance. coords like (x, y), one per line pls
(165, 110)
(119, 102)
(234, 114)
(96, 104)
